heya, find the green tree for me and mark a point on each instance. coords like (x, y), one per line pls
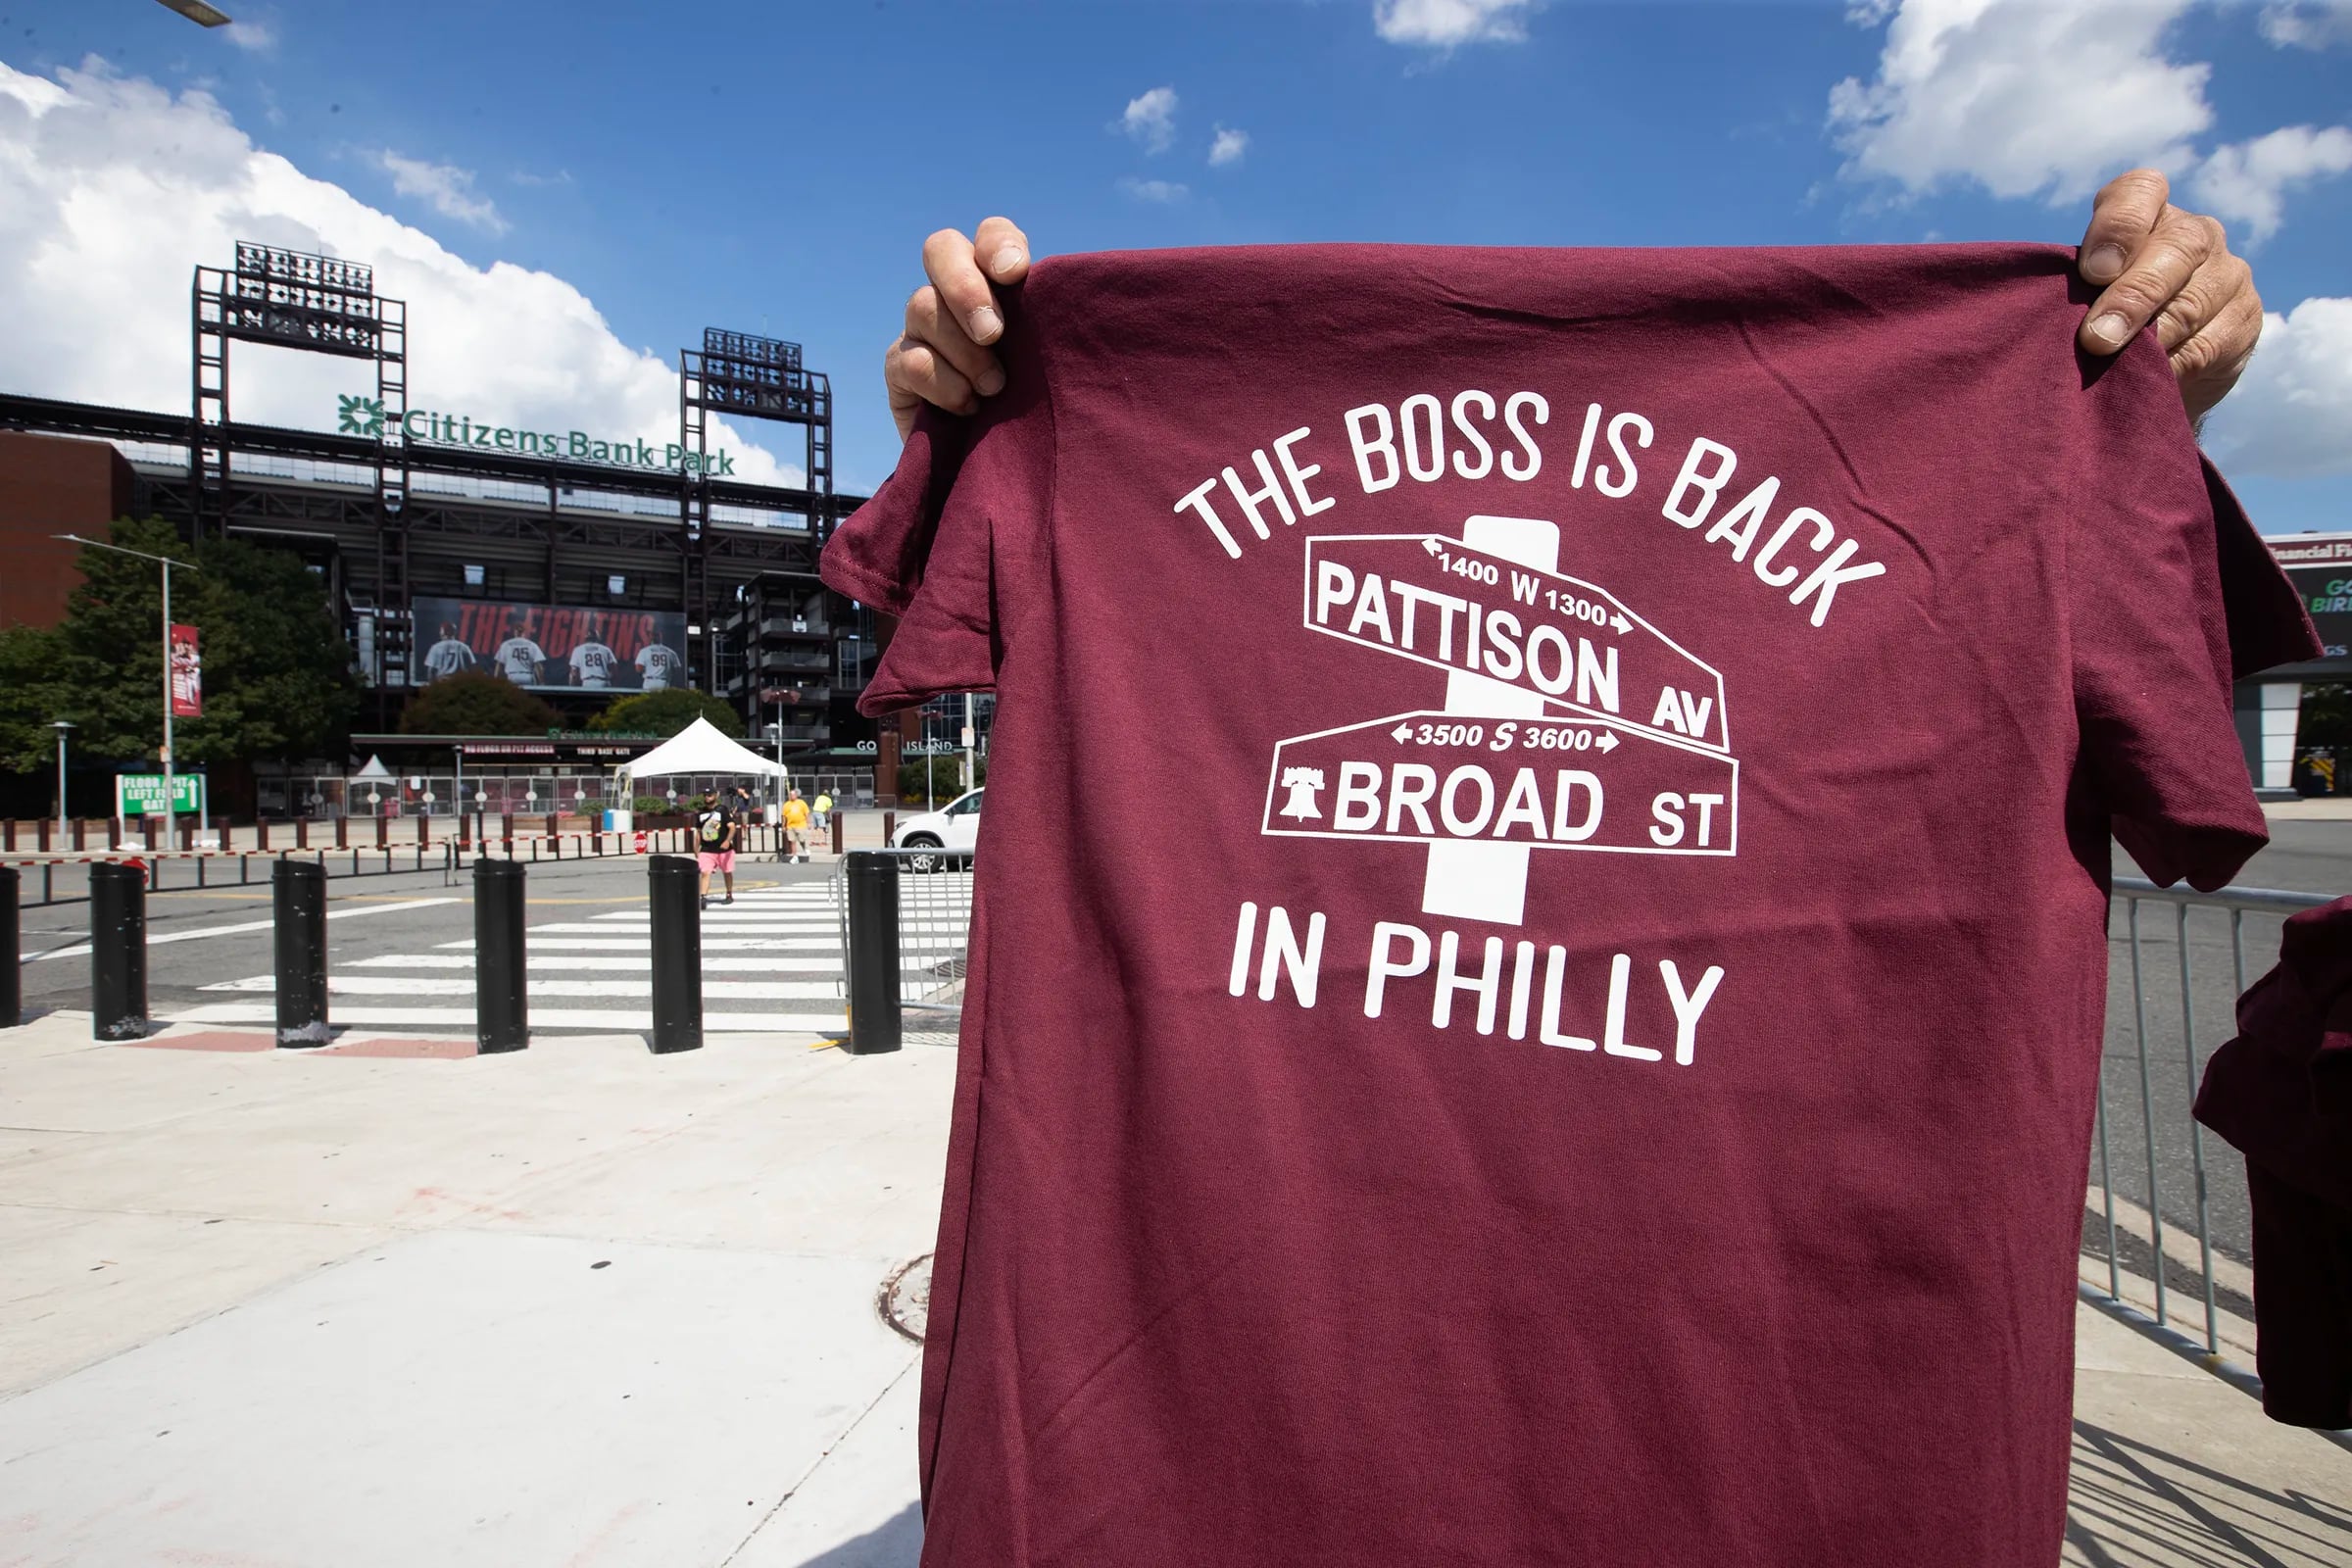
(474, 702)
(277, 675)
(666, 712)
(942, 778)
(32, 693)
(2325, 719)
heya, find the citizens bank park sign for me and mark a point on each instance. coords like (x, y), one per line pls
(364, 415)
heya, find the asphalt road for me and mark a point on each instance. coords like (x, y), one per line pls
(367, 917)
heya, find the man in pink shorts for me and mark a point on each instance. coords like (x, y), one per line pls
(715, 831)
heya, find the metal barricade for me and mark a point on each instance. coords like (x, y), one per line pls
(2149, 1192)
(934, 935)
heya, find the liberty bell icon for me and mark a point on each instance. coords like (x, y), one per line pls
(1302, 783)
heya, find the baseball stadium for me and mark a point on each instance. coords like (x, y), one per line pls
(580, 565)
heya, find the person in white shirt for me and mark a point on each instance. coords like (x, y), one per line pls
(658, 664)
(448, 657)
(593, 661)
(520, 658)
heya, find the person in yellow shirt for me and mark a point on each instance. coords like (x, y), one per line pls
(824, 810)
(796, 826)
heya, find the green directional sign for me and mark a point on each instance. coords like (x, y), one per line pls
(142, 794)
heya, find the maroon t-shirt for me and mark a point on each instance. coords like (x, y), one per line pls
(1539, 988)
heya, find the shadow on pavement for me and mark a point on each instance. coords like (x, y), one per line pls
(2135, 1505)
(896, 1543)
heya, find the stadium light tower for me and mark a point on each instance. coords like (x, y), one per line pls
(198, 12)
(171, 804)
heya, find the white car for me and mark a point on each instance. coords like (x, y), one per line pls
(954, 830)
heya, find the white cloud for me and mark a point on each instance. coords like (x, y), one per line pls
(1152, 119)
(2307, 26)
(2032, 99)
(1447, 24)
(448, 189)
(2024, 97)
(2292, 417)
(1155, 190)
(254, 37)
(2247, 181)
(1228, 147)
(112, 191)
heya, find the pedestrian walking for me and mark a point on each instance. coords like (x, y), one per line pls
(796, 826)
(824, 811)
(746, 812)
(715, 828)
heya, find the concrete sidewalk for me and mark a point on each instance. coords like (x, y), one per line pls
(585, 1305)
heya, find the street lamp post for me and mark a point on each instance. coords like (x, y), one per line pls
(60, 726)
(171, 802)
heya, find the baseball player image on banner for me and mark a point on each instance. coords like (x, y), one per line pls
(552, 648)
(187, 674)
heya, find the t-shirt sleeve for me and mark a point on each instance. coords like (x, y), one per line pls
(941, 543)
(2267, 622)
(2173, 595)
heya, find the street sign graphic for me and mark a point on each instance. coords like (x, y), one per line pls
(1483, 611)
(1443, 778)
(1570, 721)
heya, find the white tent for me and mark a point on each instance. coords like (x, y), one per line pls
(698, 747)
(375, 769)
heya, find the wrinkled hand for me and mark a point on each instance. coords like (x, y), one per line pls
(2152, 261)
(2156, 262)
(942, 355)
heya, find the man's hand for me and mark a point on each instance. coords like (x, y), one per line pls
(942, 355)
(2155, 262)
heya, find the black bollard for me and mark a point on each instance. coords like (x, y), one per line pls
(500, 1008)
(874, 1021)
(676, 917)
(11, 982)
(298, 906)
(117, 952)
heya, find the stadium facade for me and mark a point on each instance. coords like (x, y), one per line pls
(626, 563)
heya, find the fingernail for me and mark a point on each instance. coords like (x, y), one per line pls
(2104, 263)
(1010, 257)
(991, 382)
(986, 324)
(2109, 330)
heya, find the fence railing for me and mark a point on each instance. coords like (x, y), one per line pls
(2181, 957)
(906, 941)
(65, 880)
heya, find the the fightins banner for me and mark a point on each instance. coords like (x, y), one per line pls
(549, 647)
(187, 674)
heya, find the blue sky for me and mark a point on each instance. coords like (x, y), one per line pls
(774, 168)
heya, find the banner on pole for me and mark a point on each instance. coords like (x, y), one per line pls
(187, 674)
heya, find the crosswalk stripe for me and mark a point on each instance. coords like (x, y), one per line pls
(771, 963)
(641, 944)
(730, 961)
(436, 986)
(739, 922)
(601, 1020)
(731, 938)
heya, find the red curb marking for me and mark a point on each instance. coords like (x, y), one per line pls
(438, 1049)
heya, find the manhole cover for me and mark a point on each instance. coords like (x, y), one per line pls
(906, 1297)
